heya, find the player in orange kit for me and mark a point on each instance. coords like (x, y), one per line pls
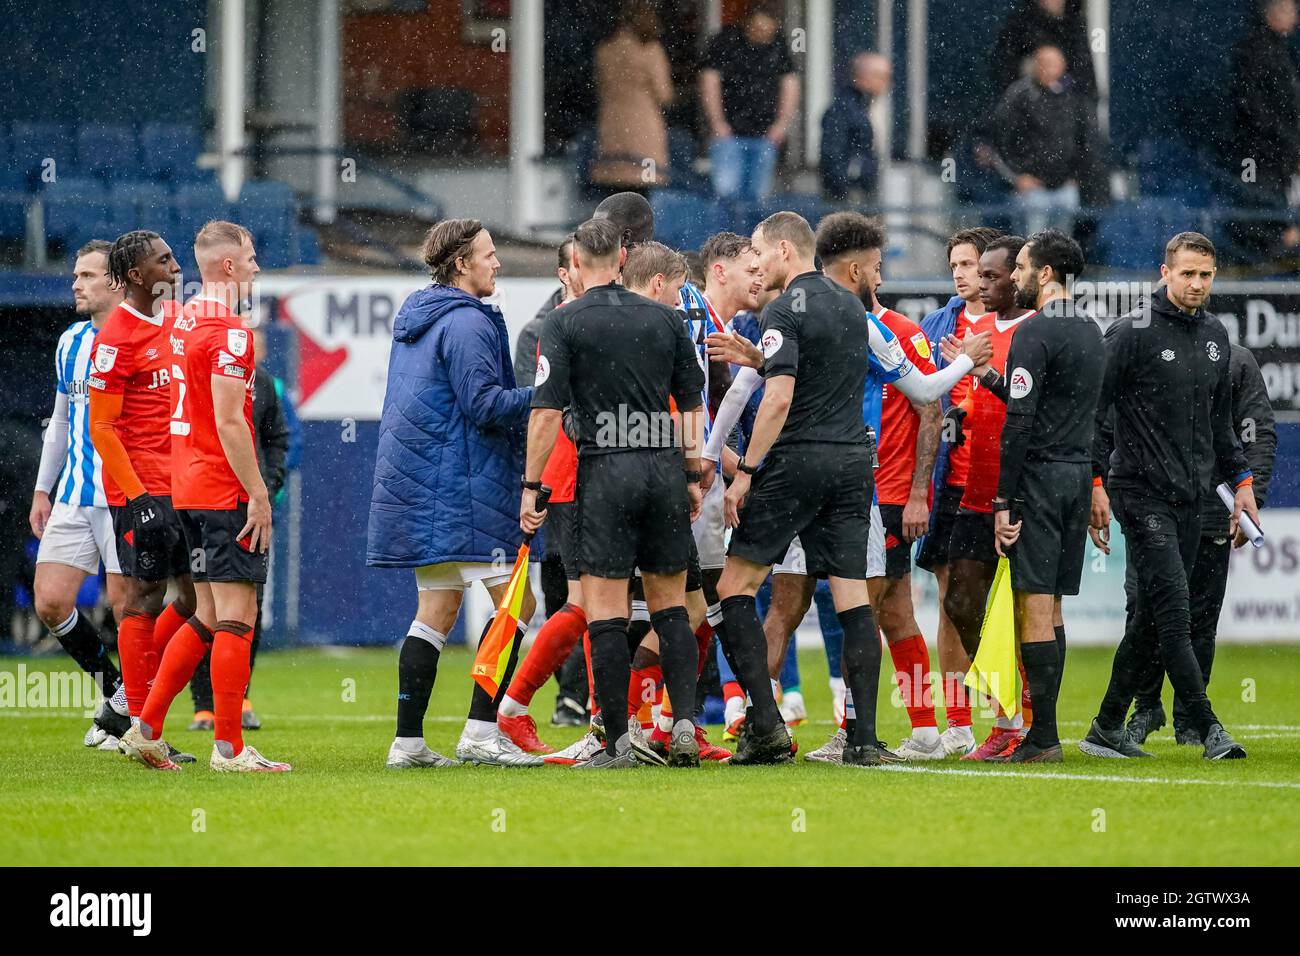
(221, 500)
(130, 404)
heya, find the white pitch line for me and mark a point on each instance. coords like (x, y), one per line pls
(1103, 778)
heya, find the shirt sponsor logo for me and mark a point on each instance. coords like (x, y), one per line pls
(543, 371)
(1167, 355)
(771, 343)
(1022, 383)
(237, 342)
(224, 358)
(1212, 350)
(105, 357)
(98, 383)
(922, 344)
(234, 371)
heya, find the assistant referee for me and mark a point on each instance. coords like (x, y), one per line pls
(1054, 375)
(614, 358)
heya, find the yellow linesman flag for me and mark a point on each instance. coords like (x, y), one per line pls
(994, 672)
(498, 643)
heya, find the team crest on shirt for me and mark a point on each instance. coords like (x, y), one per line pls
(1212, 350)
(543, 371)
(1021, 382)
(1167, 355)
(922, 344)
(237, 342)
(105, 357)
(771, 342)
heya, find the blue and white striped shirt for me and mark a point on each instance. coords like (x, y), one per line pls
(700, 322)
(81, 481)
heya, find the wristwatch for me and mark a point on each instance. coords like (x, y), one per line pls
(694, 477)
(990, 378)
(527, 485)
(746, 468)
(1000, 505)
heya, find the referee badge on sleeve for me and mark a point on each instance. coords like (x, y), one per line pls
(771, 342)
(543, 371)
(1021, 382)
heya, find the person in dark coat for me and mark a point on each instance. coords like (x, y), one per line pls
(1265, 149)
(447, 473)
(848, 148)
(1035, 23)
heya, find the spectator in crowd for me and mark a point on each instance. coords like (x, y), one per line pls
(633, 86)
(1265, 151)
(749, 92)
(848, 149)
(1036, 23)
(1043, 140)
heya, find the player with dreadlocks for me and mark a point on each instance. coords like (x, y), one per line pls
(130, 425)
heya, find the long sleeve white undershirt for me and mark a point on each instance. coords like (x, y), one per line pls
(54, 449)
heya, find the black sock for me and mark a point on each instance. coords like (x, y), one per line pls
(643, 657)
(417, 668)
(201, 684)
(861, 657)
(679, 656)
(636, 632)
(611, 670)
(82, 642)
(1042, 662)
(1060, 647)
(748, 658)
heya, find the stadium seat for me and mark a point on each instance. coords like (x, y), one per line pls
(71, 202)
(684, 220)
(193, 204)
(269, 210)
(1132, 235)
(33, 143)
(170, 151)
(109, 150)
(151, 203)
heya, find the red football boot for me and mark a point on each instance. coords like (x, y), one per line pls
(523, 731)
(998, 740)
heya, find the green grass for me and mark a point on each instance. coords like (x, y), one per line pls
(61, 804)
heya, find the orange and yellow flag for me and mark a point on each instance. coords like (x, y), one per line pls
(498, 643)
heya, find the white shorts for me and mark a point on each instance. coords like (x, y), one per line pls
(710, 527)
(876, 545)
(458, 575)
(79, 536)
(795, 561)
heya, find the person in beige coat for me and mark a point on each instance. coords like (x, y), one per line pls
(633, 85)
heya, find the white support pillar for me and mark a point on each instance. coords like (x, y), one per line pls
(329, 108)
(918, 89)
(819, 74)
(230, 119)
(526, 104)
(712, 18)
(1097, 15)
(882, 110)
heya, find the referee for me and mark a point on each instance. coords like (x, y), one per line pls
(614, 358)
(1167, 381)
(806, 472)
(1055, 367)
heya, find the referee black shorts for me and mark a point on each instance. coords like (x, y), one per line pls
(933, 552)
(633, 512)
(150, 564)
(562, 536)
(1054, 508)
(818, 491)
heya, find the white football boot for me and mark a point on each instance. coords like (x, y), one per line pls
(497, 750)
(400, 758)
(247, 760)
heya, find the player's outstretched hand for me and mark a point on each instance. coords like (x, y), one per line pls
(40, 514)
(258, 526)
(978, 347)
(734, 499)
(734, 348)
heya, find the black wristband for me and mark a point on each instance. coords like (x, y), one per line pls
(747, 469)
(1001, 505)
(694, 477)
(527, 485)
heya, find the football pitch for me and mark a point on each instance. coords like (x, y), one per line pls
(330, 713)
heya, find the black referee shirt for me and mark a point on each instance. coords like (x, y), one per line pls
(816, 330)
(614, 357)
(1055, 368)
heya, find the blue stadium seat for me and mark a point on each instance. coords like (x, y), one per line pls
(150, 202)
(109, 150)
(1132, 235)
(269, 210)
(684, 220)
(33, 143)
(193, 204)
(71, 202)
(170, 150)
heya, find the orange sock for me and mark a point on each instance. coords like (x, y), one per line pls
(593, 707)
(183, 654)
(231, 647)
(641, 688)
(956, 703)
(167, 624)
(912, 673)
(139, 661)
